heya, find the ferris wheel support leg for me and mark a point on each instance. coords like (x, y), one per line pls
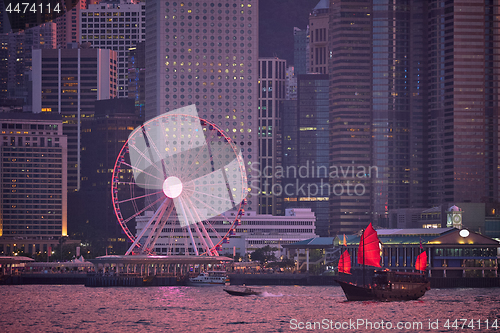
(198, 232)
(153, 241)
(143, 231)
(183, 211)
(155, 231)
(210, 243)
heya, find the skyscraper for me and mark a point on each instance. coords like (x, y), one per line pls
(318, 38)
(377, 95)
(272, 75)
(463, 101)
(115, 26)
(300, 50)
(68, 25)
(32, 182)
(16, 56)
(68, 82)
(306, 150)
(206, 53)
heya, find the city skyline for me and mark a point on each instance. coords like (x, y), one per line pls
(412, 92)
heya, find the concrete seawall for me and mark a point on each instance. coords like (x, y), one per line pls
(235, 279)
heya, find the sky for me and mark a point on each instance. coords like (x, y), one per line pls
(276, 21)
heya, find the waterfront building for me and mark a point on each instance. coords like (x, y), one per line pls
(478, 217)
(68, 82)
(271, 86)
(33, 182)
(206, 53)
(117, 26)
(451, 252)
(305, 178)
(255, 231)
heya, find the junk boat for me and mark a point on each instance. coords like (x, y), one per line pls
(386, 285)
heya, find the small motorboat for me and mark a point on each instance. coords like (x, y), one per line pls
(244, 291)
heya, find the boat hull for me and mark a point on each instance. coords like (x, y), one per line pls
(241, 293)
(355, 292)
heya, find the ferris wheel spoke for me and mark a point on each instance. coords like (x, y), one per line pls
(141, 211)
(143, 231)
(206, 221)
(228, 202)
(190, 170)
(140, 197)
(199, 166)
(146, 173)
(147, 159)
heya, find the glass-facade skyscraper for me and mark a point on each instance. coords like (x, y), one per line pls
(305, 180)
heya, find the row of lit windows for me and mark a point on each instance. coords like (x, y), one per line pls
(108, 13)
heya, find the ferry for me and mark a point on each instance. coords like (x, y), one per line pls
(210, 277)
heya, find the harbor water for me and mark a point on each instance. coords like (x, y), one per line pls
(75, 308)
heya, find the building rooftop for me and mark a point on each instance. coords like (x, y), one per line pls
(322, 4)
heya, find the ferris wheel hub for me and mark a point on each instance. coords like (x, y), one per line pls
(172, 187)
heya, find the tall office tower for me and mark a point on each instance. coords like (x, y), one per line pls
(116, 26)
(350, 69)
(463, 101)
(306, 163)
(32, 182)
(300, 50)
(290, 84)
(318, 41)
(16, 50)
(68, 82)
(377, 94)
(68, 25)
(272, 75)
(206, 53)
(103, 136)
(137, 77)
(398, 102)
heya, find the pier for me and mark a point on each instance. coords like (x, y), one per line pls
(142, 270)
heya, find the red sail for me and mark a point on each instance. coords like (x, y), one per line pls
(345, 263)
(421, 263)
(369, 248)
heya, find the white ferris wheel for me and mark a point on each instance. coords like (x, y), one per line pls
(185, 171)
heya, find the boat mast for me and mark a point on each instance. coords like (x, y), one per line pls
(363, 240)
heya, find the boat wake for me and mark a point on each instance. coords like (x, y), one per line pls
(266, 294)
